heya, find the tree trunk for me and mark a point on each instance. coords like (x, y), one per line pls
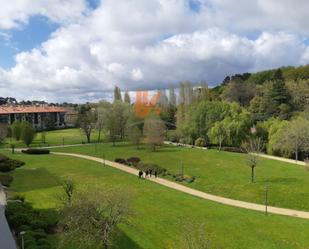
(220, 145)
(99, 135)
(252, 174)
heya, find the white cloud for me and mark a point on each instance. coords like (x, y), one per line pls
(150, 44)
(16, 12)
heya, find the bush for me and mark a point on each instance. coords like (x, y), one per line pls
(184, 178)
(121, 160)
(6, 180)
(3, 158)
(153, 167)
(36, 151)
(133, 160)
(173, 136)
(9, 164)
(200, 142)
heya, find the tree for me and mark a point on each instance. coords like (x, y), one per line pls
(218, 134)
(194, 236)
(240, 92)
(154, 130)
(92, 218)
(86, 120)
(117, 94)
(295, 137)
(27, 133)
(253, 147)
(3, 131)
(68, 187)
(135, 136)
(16, 128)
(127, 98)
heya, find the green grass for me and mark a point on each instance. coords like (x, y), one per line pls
(221, 173)
(158, 211)
(57, 137)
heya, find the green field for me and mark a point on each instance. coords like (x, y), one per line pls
(221, 173)
(158, 211)
(56, 137)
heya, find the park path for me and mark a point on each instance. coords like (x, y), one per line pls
(194, 192)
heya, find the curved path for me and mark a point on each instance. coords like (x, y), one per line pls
(194, 192)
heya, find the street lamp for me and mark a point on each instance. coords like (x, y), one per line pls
(266, 200)
(22, 233)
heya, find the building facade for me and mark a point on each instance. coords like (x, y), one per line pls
(41, 117)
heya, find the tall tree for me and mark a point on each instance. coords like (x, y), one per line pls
(117, 94)
(16, 128)
(127, 98)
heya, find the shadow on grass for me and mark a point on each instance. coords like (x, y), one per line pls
(28, 179)
(122, 240)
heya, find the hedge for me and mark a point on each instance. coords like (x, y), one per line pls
(6, 180)
(36, 151)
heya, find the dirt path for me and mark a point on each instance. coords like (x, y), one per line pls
(194, 192)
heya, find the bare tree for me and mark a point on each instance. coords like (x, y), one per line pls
(92, 218)
(154, 129)
(194, 236)
(253, 147)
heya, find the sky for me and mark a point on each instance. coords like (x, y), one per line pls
(78, 50)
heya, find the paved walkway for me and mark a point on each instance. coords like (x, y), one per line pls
(6, 238)
(194, 192)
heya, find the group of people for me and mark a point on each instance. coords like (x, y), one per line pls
(147, 173)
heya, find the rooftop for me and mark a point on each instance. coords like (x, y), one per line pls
(14, 109)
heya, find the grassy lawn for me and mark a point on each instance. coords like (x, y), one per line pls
(221, 173)
(158, 210)
(57, 137)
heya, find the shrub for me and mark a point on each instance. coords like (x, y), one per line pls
(133, 160)
(121, 160)
(27, 133)
(147, 166)
(36, 151)
(6, 180)
(184, 178)
(19, 197)
(3, 158)
(200, 142)
(173, 136)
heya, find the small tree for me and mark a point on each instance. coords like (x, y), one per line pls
(86, 121)
(68, 187)
(253, 147)
(154, 129)
(27, 133)
(16, 128)
(91, 219)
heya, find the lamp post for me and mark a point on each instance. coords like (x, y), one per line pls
(182, 168)
(22, 233)
(266, 200)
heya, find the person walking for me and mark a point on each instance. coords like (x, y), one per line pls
(140, 174)
(147, 172)
(150, 173)
(156, 174)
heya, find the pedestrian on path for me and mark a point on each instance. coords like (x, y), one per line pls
(140, 174)
(156, 174)
(150, 173)
(147, 172)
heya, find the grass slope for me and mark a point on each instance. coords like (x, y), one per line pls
(158, 210)
(221, 173)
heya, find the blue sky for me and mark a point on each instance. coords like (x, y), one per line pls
(25, 38)
(141, 44)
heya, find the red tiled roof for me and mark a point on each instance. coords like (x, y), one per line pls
(30, 109)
